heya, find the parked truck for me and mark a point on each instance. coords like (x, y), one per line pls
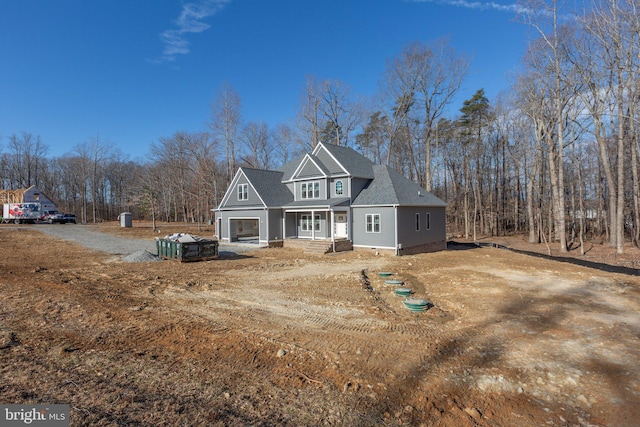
(21, 213)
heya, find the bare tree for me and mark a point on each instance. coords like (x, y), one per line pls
(424, 78)
(547, 57)
(286, 143)
(341, 114)
(27, 154)
(225, 123)
(309, 113)
(257, 140)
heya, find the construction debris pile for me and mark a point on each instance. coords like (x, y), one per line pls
(184, 238)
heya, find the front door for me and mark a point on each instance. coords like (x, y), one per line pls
(340, 226)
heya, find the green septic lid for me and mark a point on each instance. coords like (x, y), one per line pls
(416, 302)
(394, 282)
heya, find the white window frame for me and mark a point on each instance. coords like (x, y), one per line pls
(370, 223)
(243, 192)
(309, 221)
(310, 190)
(341, 192)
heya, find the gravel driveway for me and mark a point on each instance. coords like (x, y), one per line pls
(118, 245)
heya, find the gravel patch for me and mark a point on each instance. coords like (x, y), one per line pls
(130, 250)
(142, 256)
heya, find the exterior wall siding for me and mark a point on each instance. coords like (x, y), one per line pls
(409, 237)
(275, 224)
(291, 225)
(252, 198)
(385, 238)
(345, 187)
(309, 170)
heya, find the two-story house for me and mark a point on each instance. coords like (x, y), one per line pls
(333, 194)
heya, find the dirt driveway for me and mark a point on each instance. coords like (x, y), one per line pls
(277, 337)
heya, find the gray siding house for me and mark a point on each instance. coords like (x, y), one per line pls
(333, 194)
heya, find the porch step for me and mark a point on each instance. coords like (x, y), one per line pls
(318, 246)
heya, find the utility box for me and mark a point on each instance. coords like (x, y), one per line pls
(200, 250)
(125, 219)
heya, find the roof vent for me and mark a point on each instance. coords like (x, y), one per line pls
(419, 193)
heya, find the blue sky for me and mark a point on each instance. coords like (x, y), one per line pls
(130, 72)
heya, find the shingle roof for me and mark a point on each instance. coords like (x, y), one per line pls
(289, 168)
(355, 163)
(269, 186)
(390, 188)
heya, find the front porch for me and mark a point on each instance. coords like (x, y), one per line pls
(318, 246)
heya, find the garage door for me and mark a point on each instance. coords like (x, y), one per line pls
(245, 230)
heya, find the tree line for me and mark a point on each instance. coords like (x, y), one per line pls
(555, 156)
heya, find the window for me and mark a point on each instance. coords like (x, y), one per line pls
(243, 191)
(373, 223)
(311, 190)
(418, 222)
(338, 188)
(306, 222)
(428, 221)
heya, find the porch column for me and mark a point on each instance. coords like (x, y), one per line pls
(333, 230)
(313, 225)
(284, 225)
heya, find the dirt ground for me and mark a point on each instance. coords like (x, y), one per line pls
(278, 337)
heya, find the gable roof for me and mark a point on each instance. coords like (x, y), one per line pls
(350, 160)
(268, 184)
(288, 169)
(390, 188)
(310, 167)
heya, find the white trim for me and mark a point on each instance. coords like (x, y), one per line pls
(373, 223)
(238, 218)
(244, 193)
(321, 145)
(395, 229)
(335, 185)
(313, 190)
(304, 161)
(309, 208)
(232, 189)
(242, 208)
(232, 186)
(373, 247)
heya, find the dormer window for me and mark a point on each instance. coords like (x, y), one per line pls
(338, 188)
(243, 191)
